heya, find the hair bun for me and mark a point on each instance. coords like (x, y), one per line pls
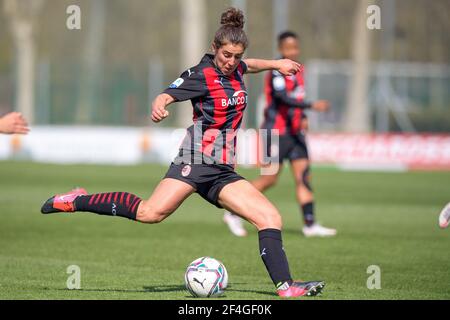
(233, 17)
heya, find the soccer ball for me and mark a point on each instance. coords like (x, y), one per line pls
(206, 277)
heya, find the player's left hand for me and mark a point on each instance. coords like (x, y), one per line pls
(288, 67)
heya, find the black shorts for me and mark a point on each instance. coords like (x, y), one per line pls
(291, 147)
(207, 179)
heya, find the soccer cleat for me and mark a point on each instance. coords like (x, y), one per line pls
(299, 289)
(62, 202)
(444, 217)
(235, 224)
(316, 230)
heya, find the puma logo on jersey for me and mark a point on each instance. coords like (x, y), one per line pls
(219, 81)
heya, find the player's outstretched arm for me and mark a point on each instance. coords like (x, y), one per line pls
(320, 105)
(159, 105)
(284, 66)
(13, 122)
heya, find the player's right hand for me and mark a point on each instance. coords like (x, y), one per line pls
(14, 122)
(321, 105)
(159, 113)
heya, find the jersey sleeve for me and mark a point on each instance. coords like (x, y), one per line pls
(189, 85)
(243, 67)
(279, 91)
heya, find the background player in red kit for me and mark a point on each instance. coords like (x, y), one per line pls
(284, 112)
(218, 95)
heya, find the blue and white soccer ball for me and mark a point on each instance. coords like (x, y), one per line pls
(206, 277)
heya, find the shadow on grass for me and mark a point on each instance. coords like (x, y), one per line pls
(161, 289)
(229, 289)
(294, 231)
(269, 293)
(183, 288)
(145, 289)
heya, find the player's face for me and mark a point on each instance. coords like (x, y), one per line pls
(228, 57)
(290, 49)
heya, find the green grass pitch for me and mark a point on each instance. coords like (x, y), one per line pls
(384, 219)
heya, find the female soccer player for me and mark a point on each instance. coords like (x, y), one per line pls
(284, 112)
(204, 165)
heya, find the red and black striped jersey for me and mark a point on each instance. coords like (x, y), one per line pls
(218, 104)
(284, 102)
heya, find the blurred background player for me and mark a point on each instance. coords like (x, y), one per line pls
(13, 122)
(218, 94)
(284, 112)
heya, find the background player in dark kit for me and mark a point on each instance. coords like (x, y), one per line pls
(284, 112)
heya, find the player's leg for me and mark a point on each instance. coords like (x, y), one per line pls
(242, 198)
(278, 150)
(305, 197)
(302, 176)
(165, 199)
(266, 181)
(167, 196)
(262, 183)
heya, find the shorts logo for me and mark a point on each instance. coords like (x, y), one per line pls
(186, 170)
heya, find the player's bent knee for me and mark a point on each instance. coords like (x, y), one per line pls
(153, 215)
(305, 178)
(277, 221)
(270, 220)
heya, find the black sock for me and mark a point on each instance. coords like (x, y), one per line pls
(274, 257)
(308, 213)
(121, 204)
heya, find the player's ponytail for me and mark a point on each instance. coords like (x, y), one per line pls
(232, 29)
